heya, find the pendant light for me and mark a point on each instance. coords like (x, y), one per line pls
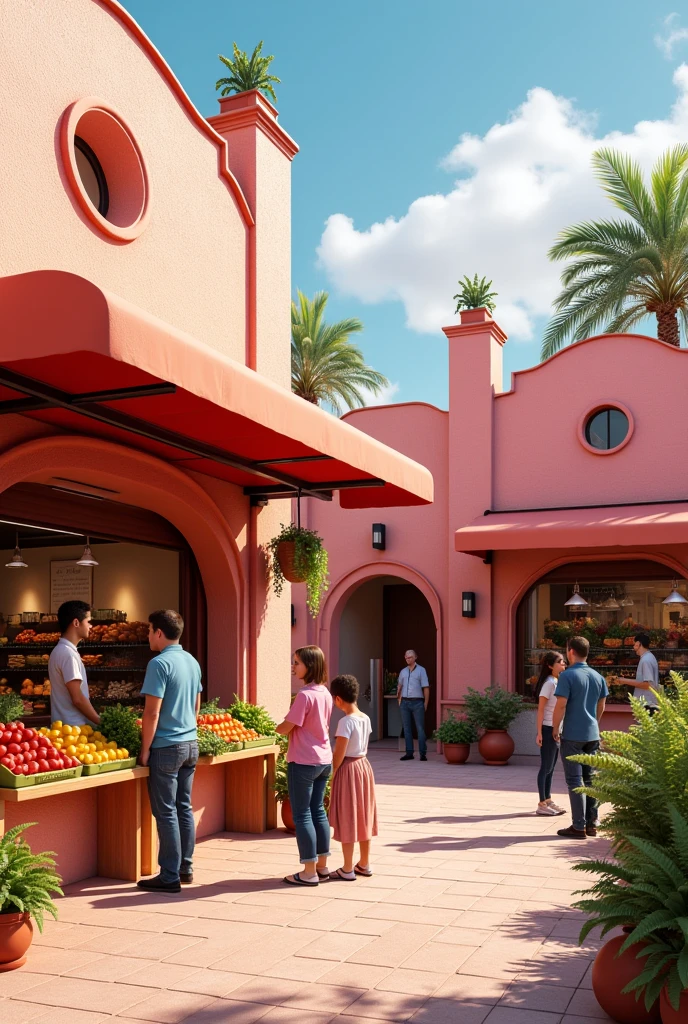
(626, 601)
(576, 600)
(674, 597)
(87, 557)
(16, 562)
(611, 603)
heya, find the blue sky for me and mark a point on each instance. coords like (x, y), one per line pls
(378, 92)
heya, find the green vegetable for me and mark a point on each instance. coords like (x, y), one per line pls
(26, 879)
(212, 707)
(253, 716)
(210, 743)
(118, 723)
(11, 707)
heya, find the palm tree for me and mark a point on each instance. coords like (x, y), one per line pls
(247, 73)
(624, 269)
(325, 365)
(475, 294)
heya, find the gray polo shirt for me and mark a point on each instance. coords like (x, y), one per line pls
(64, 666)
(413, 682)
(647, 672)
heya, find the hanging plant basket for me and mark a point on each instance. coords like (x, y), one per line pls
(297, 555)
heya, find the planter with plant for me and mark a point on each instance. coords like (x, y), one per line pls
(493, 710)
(297, 555)
(456, 735)
(27, 881)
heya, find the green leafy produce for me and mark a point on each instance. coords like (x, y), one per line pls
(27, 879)
(11, 707)
(210, 743)
(253, 716)
(118, 723)
(212, 707)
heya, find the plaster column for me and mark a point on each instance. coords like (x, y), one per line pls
(475, 376)
(259, 155)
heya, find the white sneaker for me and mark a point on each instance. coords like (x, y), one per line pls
(546, 810)
(556, 807)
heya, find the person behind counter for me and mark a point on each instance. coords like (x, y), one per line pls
(69, 700)
(169, 747)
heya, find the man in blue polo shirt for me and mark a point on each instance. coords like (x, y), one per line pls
(581, 696)
(172, 688)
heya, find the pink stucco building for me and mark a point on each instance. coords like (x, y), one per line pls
(537, 487)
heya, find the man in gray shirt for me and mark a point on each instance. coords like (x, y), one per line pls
(413, 694)
(647, 673)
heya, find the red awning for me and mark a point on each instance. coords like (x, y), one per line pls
(625, 526)
(84, 360)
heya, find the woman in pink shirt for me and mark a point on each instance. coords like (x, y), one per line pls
(309, 765)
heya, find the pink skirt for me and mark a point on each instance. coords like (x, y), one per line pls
(353, 811)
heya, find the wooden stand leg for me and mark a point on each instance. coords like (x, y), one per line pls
(149, 833)
(247, 795)
(271, 812)
(119, 831)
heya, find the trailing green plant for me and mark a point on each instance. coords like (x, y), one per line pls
(11, 707)
(492, 708)
(475, 294)
(27, 879)
(209, 743)
(310, 561)
(247, 73)
(643, 771)
(119, 723)
(254, 716)
(456, 730)
(647, 887)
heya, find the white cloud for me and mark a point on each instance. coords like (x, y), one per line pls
(521, 183)
(384, 397)
(673, 35)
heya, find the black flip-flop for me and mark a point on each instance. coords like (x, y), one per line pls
(364, 874)
(337, 876)
(297, 880)
(324, 876)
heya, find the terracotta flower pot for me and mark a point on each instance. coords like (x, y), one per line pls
(610, 975)
(669, 1014)
(456, 753)
(287, 816)
(16, 933)
(286, 550)
(496, 746)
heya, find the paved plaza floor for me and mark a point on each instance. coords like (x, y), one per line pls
(467, 920)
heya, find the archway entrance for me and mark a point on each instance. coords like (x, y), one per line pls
(381, 619)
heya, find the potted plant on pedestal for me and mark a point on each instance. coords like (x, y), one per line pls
(493, 710)
(297, 555)
(456, 735)
(27, 881)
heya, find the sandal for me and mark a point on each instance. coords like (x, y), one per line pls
(340, 875)
(365, 872)
(324, 876)
(296, 879)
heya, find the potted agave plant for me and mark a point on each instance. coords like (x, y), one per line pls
(456, 735)
(298, 556)
(493, 710)
(27, 881)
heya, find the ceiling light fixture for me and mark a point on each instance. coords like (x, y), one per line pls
(675, 597)
(576, 600)
(87, 557)
(16, 562)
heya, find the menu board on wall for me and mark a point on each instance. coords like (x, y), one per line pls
(70, 582)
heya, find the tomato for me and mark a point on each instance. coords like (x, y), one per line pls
(30, 734)
(2, 726)
(25, 745)
(42, 764)
(41, 752)
(33, 767)
(53, 764)
(17, 770)
(7, 736)
(17, 736)
(13, 748)
(25, 769)
(7, 760)
(33, 744)
(19, 758)
(3, 750)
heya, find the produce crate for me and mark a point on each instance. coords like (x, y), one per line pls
(10, 781)
(109, 766)
(262, 741)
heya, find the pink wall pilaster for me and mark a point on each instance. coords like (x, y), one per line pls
(475, 375)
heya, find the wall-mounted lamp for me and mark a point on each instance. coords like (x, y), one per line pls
(379, 532)
(468, 604)
(16, 562)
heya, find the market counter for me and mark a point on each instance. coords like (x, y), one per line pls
(102, 824)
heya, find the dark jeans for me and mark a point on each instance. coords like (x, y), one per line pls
(583, 808)
(413, 710)
(549, 753)
(307, 785)
(169, 787)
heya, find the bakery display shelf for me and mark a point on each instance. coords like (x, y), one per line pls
(91, 669)
(115, 645)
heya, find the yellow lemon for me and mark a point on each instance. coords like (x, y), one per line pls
(87, 729)
(58, 744)
(54, 733)
(66, 730)
(56, 725)
(99, 745)
(87, 758)
(125, 753)
(112, 745)
(98, 735)
(71, 750)
(92, 748)
(76, 730)
(112, 754)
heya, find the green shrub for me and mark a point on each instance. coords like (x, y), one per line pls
(27, 879)
(492, 708)
(456, 730)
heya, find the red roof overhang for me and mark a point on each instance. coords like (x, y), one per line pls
(85, 360)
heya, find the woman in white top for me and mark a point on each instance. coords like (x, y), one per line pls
(551, 667)
(353, 811)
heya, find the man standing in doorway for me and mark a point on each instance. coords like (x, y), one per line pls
(581, 696)
(69, 700)
(413, 694)
(647, 674)
(172, 688)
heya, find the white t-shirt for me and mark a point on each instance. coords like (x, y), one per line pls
(64, 667)
(357, 729)
(548, 688)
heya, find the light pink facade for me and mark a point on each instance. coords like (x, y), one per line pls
(509, 452)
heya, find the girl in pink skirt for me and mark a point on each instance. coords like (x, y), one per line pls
(353, 811)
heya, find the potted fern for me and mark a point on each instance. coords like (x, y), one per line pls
(297, 555)
(493, 710)
(456, 735)
(27, 881)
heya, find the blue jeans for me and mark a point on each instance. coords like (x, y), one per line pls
(307, 784)
(549, 753)
(413, 710)
(169, 787)
(583, 808)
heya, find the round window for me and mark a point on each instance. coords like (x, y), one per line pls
(92, 175)
(607, 429)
